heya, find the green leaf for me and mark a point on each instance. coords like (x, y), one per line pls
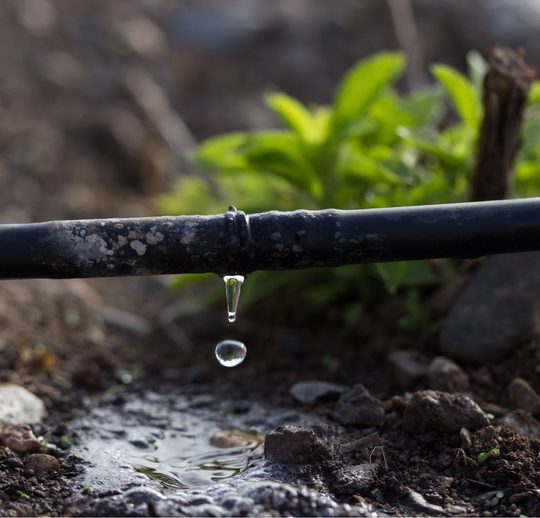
(295, 116)
(221, 153)
(431, 144)
(461, 93)
(534, 93)
(391, 274)
(362, 84)
(424, 106)
(281, 153)
(187, 279)
(354, 162)
(478, 67)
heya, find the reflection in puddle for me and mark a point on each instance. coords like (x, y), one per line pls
(175, 448)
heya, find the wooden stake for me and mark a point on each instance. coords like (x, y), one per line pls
(506, 87)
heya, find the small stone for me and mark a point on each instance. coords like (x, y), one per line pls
(435, 411)
(19, 438)
(357, 407)
(312, 392)
(234, 439)
(19, 406)
(353, 480)
(522, 423)
(497, 312)
(444, 374)
(140, 443)
(408, 366)
(294, 445)
(42, 463)
(522, 396)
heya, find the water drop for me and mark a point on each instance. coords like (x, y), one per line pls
(233, 287)
(230, 353)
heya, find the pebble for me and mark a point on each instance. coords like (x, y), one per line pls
(42, 463)
(312, 392)
(496, 313)
(408, 366)
(295, 446)
(522, 423)
(19, 406)
(233, 439)
(354, 480)
(444, 374)
(522, 396)
(19, 438)
(436, 411)
(357, 407)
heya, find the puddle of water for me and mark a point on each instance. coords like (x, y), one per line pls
(170, 446)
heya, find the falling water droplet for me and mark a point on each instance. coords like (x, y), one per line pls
(233, 287)
(230, 353)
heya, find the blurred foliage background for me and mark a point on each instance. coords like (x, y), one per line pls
(103, 102)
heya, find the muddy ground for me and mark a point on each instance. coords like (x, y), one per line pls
(77, 141)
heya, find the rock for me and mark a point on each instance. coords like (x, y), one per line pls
(522, 423)
(294, 445)
(354, 480)
(42, 463)
(357, 407)
(312, 392)
(19, 438)
(523, 396)
(435, 411)
(234, 439)
(408, 366)
(497, 311)
(19, 406)
(444, 374)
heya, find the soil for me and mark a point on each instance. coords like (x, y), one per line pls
(74, 143)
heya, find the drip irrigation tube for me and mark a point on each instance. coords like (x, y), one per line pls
(236, 243)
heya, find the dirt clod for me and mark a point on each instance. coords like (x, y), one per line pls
(444, 374)
(352, 480)
(312, 392)
(358, 407)
(42, 463)
(522, 396)
(408, 366)
(435, 411)
(294, 445)
(19, 438)
(522, 423)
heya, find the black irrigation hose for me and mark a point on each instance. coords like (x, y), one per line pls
(234, 243)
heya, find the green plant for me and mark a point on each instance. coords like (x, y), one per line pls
(370, 148)
(497, 497)
(491, 454)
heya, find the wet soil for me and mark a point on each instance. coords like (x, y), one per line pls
(120, 392)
